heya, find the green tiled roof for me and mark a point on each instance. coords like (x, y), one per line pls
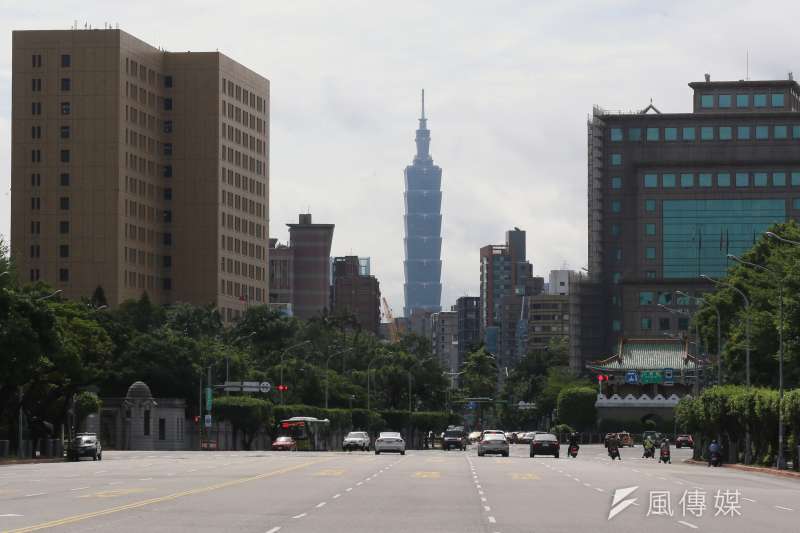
(648, 354)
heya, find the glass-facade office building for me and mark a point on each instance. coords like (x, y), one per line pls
(423, 227)
(671, 195)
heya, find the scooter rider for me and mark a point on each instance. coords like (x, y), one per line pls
(649, 448)
(574, 440)
(713, 448)
(613, 447)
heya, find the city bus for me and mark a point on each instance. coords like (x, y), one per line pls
(311, 434)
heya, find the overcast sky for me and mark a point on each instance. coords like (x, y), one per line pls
(509, 85)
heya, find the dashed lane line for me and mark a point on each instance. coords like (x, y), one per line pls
(301, 515)
(336, 496)
(492, 520)
(321, 504)
(783, 508)
(274, 529)
(687, 524)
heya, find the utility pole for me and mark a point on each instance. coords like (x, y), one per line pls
(20, 451)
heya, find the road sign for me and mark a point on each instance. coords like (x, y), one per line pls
(245, 386)
(525, 405)
(209, 398)
(631, 377)
(668, 376)
(471, 405)
(264, 387)
(652, 377)
(207, 421)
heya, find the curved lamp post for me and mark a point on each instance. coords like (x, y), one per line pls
(369, 368)
(283, 353)
(327, 377)
(719, 331)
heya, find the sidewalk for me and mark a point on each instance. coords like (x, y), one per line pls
(5, 461)
(757, 469)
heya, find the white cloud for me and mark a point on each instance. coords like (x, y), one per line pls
(509, 85)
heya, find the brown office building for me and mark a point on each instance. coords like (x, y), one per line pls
(357, 292)
(138, 170)
(311, 266)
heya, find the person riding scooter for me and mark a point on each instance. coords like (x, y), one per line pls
(649, 449)
(613, 448)
(574, 446)
(665, 452)
(714, 453)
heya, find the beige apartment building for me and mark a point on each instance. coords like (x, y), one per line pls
(139, 170)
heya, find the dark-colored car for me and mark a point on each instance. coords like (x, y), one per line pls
(454, 438)
(85, 445)
(684, 440)
(286, 444)
(545, 444)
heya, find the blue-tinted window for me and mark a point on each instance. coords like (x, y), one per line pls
(707, 133)
(779, 179)
(743, 132)
(616, 182)
(616, 134)
(649, 229)
(634, 134)
(760, 179)
(651, 180)
(687, 181)
(616, 325)
(777, 100)
(647, 298)
(723, 179)
(670, 134)
(725, 133)
(616, 277)
(762, 132)
(650, 274)
(647, 323)
(688, 134)
(682, 300)
(665, 298)
(704, 180)
(692, 231)
(615, 300)
(742, 100)
(707, 101)
(781, 132)
(759, 100)
(650, 205)
(796, 131)
(615, 230)
(618, 254)
(795, 179)
(742, 179)
(616, 206)
(668, 181)
(724, 100)
(650, 252)
(652, 134)
(616, 159)
(796, 203)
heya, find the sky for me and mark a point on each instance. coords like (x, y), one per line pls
(509, 85)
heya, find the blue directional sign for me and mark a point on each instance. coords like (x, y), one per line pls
(472, 405)
(631, 377)
(668, 376)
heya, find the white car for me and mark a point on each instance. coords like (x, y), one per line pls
(390, 441)
(356, 440)
(493, 443)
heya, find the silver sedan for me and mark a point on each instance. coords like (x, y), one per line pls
(493, 443)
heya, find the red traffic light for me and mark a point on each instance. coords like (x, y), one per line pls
(602, 377)
(282, 388)
(196, 419)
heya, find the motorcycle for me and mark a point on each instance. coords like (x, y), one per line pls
(614, 453)
(573, 451)
(716, 459)
(665, 456)
(649, 453)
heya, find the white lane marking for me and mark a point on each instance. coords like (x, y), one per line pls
(301, 515)
(748, 499)
(274, 529)
(478, 486)
(576, 479)
(637, 471)
(98, 472)
(480, 492)
(145, 479)
(687, 524)
(171, 474)
(336, 496)
(359, 483)
(492, 520)
(483, 499)
(679, 482)
(783, 508)
(487, 508)
(348, 489)
(79, 488)
(321, 504)
(193, 470)
(662, 478)
(586, 485)
(9, 515)
(115, 483)
(35, 494)
(598, 489)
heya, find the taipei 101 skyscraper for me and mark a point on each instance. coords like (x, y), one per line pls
(423, 224)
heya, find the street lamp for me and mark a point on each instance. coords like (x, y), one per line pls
(719, 331)
(415, 363)
(696, 327)
(228, 359)
(327, 377)
(369, 367)
(56, 293)
(283, 353)
(747, 452)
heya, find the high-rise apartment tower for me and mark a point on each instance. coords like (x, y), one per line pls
(138, 170)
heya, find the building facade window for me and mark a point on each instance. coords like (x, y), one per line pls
(63, 275)
(781, 132)
(616, 134)
(63, 227)
(762, 132)
(650, 253)
(65, 156)
(687, 181)
(616, 159)
(63, 203)
(725, 133)
(759, 100)
(688, 134)
(724, 100)
(616, 182)
(616, 206)
(616, 325)
(615, 230)
(66, 84)
(795, 179)
(65, 108)
(64, 179)
(647, 323)
(743, 133)
(652, 134)
(651, 181)
(63, 251)
(704, 179)
(742, 179)
(760, 179)
(66, 60)
(65, 132)
(664, 324)
(670, 134)
(777, 99)
(646, 297)
(707, 101)
(650, 206)
(650, 229)
(742, 100)
(707, 133)
(723, 179)
(779, 179)
(668, 181)
(634, 134)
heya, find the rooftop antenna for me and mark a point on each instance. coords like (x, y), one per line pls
(423, 104)
(747, 74)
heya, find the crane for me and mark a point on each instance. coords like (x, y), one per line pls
(394, 334)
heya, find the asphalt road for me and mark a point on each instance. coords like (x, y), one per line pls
(268, 492)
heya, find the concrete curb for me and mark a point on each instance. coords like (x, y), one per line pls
(9, 462)
(757, 469)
